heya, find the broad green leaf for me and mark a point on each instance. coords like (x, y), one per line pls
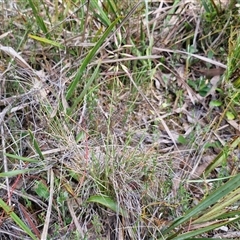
(107, 202)
(215, 103)
(80, 136)
(181, 139)
(230, 115)
(41, 190)
(236, 83)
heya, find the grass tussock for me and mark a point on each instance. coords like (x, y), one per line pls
(119, 120)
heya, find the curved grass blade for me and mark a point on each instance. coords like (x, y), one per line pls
(24, 159)
(213, 198)
(39, 20)
(86, 88)
(107, 202)
(16, 219)
(189, 235)
(87, 60)
(13, 173)
(45, 40)
(102, 16)
(222, 156)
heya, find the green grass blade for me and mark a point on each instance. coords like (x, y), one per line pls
(222, 156)
(209, 239)
(220, 208)
(113, 7)
(86, 88)
(39, 20)
(207, 202)
(102, 16)
(24, 159)
(16, 219)
(87, 60)
(45, 40)
(36, 146)
(205, 5)
(189, 235)
(107, 202)
(13, 173)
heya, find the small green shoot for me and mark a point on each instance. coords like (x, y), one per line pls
(181, 139)
(41, 190)
(36, 146)
(201, 86)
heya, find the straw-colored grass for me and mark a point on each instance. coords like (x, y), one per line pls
(119, 120)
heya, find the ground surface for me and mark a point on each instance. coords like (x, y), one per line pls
(115, 136)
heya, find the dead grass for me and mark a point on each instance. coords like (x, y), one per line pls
(119, 141)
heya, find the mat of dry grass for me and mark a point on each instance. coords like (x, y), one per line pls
(119, 120)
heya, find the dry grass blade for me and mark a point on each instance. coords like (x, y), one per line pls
(74, 217)
(29, 220)
(3, 113)
(11, 52)
(107, 110)
(37, 80)
(5, 164)
(205, 59)
(49, 209)
(156, 112)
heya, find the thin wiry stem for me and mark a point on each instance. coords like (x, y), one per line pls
(5, 164)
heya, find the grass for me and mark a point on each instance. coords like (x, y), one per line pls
(119, 120)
